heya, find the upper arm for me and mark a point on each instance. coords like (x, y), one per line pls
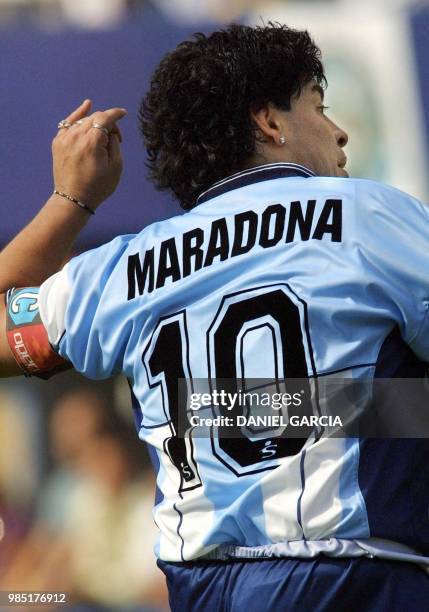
(68, 321)
(82, 309)
(24, 342)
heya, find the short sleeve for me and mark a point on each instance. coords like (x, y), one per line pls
(393, 236)
(80, 307)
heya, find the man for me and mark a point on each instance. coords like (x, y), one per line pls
(283, 267)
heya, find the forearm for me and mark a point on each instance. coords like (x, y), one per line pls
(41, 248)
(87, 165)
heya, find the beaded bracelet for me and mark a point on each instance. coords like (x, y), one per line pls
(78, 202)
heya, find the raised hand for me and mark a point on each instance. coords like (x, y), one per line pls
(87, 161)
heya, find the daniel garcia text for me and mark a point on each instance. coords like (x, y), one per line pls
(269, 420)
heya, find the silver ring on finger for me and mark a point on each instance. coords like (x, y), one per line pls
(64, 124)
(98, 126)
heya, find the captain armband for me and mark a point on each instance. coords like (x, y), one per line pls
(27, 335)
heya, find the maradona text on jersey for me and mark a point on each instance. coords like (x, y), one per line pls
(178, 257)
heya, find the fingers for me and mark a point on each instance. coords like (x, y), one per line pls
(106, 118)
(95, 129)
(114, 149)
(115, 130)
(80, 112)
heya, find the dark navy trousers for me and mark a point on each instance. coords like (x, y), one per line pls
(288, 585)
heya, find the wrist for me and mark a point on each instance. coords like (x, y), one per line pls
(65, 213)
(74, 201)
(89, 192)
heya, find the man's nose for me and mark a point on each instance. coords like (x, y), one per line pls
(341, 136)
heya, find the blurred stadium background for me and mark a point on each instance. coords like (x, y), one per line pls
(76, 487)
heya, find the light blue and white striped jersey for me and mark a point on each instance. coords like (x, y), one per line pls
(274, 273)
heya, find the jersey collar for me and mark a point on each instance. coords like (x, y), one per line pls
(254, 175)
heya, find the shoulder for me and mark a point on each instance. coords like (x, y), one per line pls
(103, 253)
(372, 197)
(150, 235)
(93, 268)
(388, 205)
(357, 186)
(101, 262)
(375, 191)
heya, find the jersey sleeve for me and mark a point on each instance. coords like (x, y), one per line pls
(80, 310)
(393, 246)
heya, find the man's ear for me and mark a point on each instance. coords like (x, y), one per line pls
(268, 122)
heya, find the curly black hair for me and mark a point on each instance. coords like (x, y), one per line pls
(195, 118)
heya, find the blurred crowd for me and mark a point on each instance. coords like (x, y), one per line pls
(102, 14)
(105, 14)
(76, 494)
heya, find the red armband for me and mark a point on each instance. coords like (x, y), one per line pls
(27, 335)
